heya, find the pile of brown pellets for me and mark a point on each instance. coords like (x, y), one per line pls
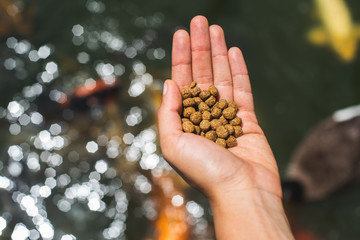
(203, 115)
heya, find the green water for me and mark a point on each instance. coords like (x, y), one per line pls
(295, 85)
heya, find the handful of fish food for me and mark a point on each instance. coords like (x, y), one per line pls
(204, 115)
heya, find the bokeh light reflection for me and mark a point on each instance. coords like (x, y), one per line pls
(15, 152)
(20, 232)
(101, 166)
(15, 169)
(68, 237)
(3, 224)
(6, 183)
(90, 155)
(15, 109)
(46, 230)
(44, 52)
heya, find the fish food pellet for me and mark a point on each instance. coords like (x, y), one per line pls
(203, 107)
(211, 135)
(197, 100)
(236, 121)
(216, 112)
(233, 105)
(215, 123)
(222, 103)
(210, 101)
(193, 84)
(205, 116)
(213, 90)
(195, 91)
(205, 125)
(229, 113)
(184, 120)
(231, 142)
(222, 132)
(188, 111)
(195, 118)
(185, 93)
(205, 94)
(221, 142)
(230, 129)
(223, 120)
(197, 130)
(189, 102)
(237, 131)
(188, 126)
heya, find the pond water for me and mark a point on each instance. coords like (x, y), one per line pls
(80, 85)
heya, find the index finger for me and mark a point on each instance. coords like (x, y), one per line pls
(181, 59)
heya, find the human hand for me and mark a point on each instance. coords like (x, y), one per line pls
(243, 175)
(205, 59)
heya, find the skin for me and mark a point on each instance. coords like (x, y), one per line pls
(242, 183)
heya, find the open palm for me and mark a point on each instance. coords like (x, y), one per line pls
(250, 166)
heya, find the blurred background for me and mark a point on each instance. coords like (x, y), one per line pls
(81, 82)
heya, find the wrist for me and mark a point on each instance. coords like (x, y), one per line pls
(261, 215)
(241, 188)
(254, 198)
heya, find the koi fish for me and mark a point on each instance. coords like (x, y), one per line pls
(337, 29)
(330, 149)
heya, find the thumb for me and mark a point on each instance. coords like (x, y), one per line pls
(169, 115)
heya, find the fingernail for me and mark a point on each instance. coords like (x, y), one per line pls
(164, 88)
